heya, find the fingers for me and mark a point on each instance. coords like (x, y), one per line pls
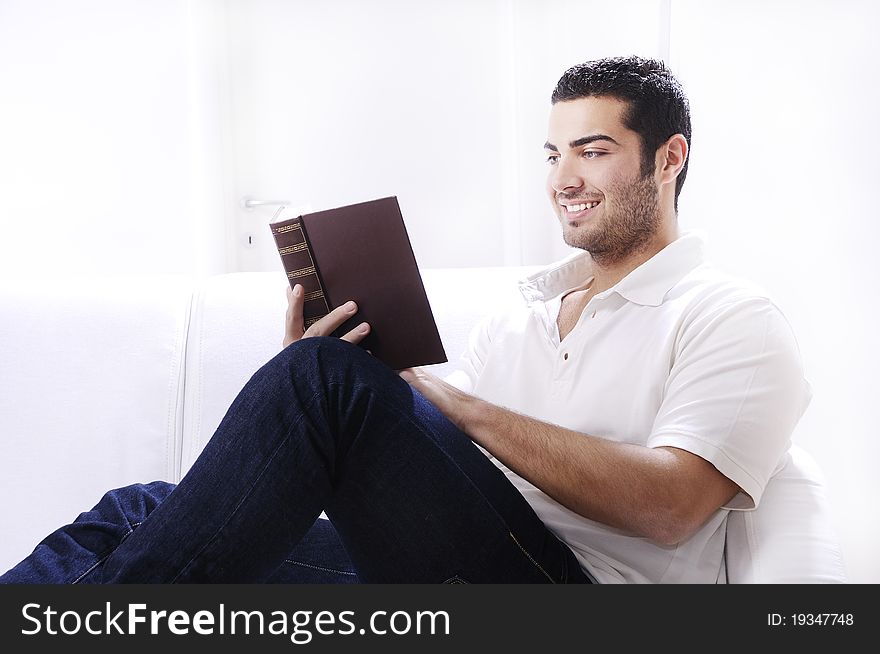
(357, 334)
(409, 375)
(329, 323)
(294, 325)
(293, 319)
(418, 378)
(333, 320)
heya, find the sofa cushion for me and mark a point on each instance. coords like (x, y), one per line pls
(790, 537)
(237, 325)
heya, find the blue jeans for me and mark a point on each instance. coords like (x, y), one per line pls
(322, 427)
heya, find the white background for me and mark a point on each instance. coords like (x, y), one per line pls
(130, 131)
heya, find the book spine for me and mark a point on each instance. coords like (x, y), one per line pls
(299, 264)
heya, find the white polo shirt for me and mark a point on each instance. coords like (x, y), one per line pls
(675, 354)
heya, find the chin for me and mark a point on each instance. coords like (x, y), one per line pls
(577, 237)
(579, 243)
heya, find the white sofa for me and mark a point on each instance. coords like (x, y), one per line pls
(112, 381)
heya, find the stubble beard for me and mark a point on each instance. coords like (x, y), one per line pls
(624, 230)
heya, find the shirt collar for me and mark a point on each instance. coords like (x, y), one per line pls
(647, 285)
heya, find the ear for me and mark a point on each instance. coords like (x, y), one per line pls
(671, 157)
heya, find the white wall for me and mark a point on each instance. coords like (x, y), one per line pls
(130, 130)
(339, 102)
(106, 138)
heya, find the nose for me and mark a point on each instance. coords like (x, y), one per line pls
(564, 176)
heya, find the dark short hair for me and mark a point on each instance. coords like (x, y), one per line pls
(658, 107)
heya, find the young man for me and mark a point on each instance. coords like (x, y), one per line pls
(601, 432)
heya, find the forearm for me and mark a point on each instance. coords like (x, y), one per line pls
(662, 493)
(625, 486)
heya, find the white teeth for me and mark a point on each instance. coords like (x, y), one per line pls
(574, 208)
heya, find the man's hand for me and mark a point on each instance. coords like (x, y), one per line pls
(294, 327)
(453, 403)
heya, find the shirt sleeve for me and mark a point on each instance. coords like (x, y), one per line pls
(735, 393)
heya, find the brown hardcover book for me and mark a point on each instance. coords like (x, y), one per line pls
(362, 252)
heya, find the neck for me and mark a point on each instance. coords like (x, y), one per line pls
(607, 272)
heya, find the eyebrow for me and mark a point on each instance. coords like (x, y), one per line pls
(582, 141)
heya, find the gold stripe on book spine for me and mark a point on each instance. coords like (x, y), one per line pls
(290, 249)
(311, 321)
(288, 228)
(302, 272)
(314, 295)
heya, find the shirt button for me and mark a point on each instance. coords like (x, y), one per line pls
(565, 356)
(594, 314)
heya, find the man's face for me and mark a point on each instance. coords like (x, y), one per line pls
(603, 202)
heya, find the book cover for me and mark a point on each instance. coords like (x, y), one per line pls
(362, 252)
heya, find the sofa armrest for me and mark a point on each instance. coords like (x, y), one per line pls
(90, 396)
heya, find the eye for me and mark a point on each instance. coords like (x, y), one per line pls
(592, 154)
(552, 159)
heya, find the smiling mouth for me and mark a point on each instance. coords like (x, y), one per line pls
(575, 213)
(577, 208)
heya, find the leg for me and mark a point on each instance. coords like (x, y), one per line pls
(325, 426)
(319, 558)
(76, 552)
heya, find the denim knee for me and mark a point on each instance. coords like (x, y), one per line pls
(117, 514)
(323, 360)
(131, 504)
(336, 385)
(325, 349)
(74, 552)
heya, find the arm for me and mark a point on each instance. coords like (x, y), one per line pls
(662, 493)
